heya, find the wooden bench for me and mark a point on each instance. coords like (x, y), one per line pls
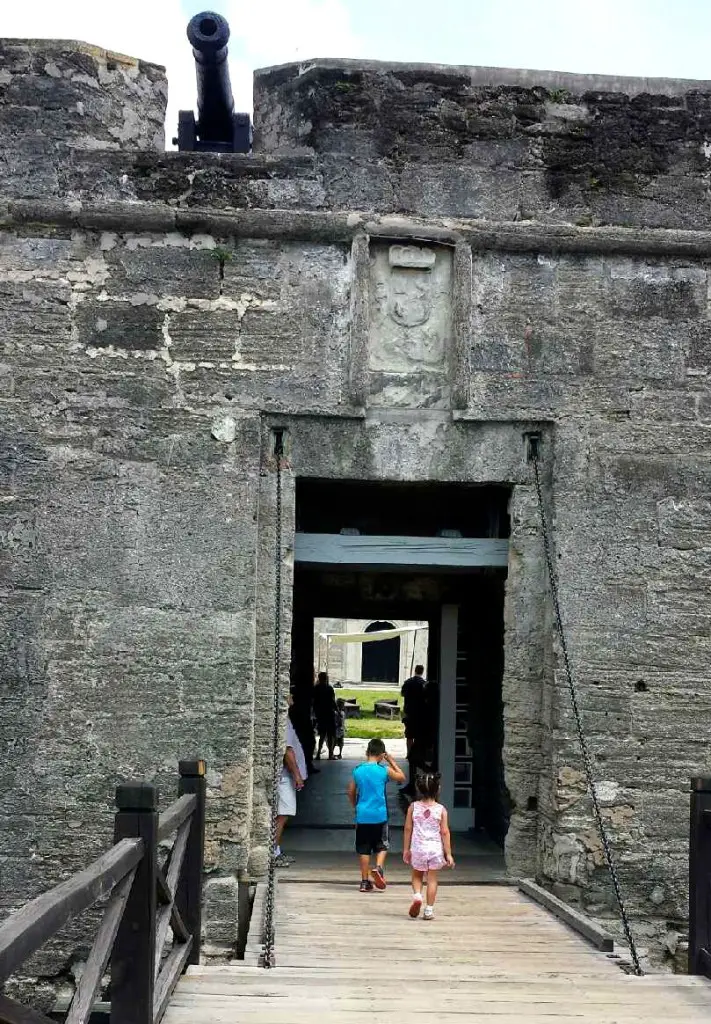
(387, 709)
(351, 708)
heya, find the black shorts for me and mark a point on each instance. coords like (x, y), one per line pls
(372, 839)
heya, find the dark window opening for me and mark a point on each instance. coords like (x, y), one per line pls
(381, 659)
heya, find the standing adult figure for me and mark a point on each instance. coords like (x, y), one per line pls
(291, 781)
(431, 729)
(324, 701)
(301, 718)
(414, 714)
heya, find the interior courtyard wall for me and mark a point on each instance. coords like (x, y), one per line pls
(330, 660)
(345, 661)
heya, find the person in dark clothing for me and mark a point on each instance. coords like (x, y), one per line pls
(325, 714)
(413, 711)
(414, 714)
(431, 728)
(340, 730)
(301, 715)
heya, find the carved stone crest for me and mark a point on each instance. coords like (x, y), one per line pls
(410, 293)
(410, 308)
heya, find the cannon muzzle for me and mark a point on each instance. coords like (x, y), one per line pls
(218, 128)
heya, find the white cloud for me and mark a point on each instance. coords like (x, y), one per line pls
(263, 33)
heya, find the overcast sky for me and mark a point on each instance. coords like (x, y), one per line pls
(625, 37)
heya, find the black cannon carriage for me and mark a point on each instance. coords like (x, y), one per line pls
(218, 129)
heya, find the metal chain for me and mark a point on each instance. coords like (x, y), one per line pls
(587, 759)
(268, 958)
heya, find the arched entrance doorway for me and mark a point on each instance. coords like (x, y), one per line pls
(381, 658)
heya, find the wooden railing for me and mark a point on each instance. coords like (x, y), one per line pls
(145, 899)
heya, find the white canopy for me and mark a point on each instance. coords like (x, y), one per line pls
(367, 638)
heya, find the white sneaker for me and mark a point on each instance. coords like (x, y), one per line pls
(429, 914)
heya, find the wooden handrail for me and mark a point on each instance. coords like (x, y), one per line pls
(173, 817)
(23, 933)
(133, 929)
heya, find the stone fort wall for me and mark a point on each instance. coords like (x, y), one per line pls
(161, 312)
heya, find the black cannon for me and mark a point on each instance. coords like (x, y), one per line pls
(218, 128)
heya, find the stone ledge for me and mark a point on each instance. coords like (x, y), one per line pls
(77, 46)
(524, 78)
(343, 226)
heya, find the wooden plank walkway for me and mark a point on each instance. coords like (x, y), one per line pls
(490, 957)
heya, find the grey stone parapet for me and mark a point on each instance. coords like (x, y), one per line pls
(58, 96)
(396, 111)
(494, 143)
(525, 78)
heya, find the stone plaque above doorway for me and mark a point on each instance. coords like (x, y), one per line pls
(411, 309)
(410, 324)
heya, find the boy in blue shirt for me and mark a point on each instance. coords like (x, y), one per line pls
(366, 792)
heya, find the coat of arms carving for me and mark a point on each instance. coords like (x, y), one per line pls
(410, 308)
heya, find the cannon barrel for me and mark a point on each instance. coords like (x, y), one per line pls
(218, 128)
(208, 34)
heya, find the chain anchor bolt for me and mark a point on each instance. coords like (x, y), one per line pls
(279, 446)
(534, 441)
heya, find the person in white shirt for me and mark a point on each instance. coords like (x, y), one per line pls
(291, 781)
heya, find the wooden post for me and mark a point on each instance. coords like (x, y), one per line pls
(700, 878)
(188, 898)
(133, 957)
(447, 676)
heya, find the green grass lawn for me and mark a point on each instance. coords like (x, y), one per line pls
(368, 726)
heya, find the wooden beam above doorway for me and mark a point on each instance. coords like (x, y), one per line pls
(397, 551)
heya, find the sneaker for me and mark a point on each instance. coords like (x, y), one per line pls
(428, 914)
(282, 861)
(378, 878)
(416, 905)
(366, 885)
